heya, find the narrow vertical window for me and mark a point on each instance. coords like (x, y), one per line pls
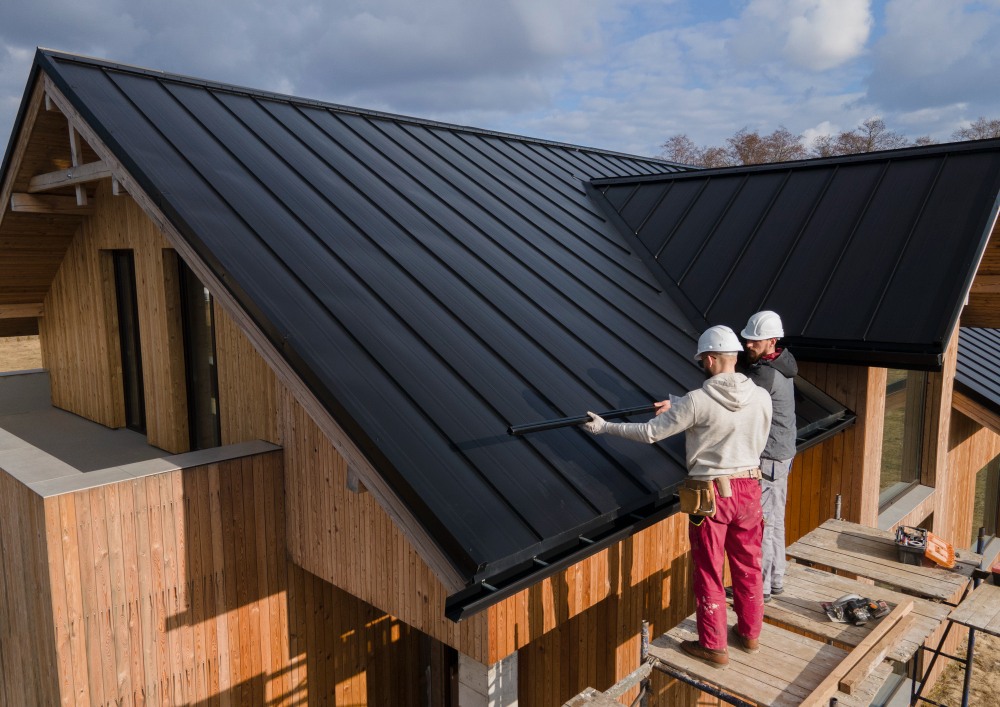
(902, 433)
(198, 324)
(128, 336)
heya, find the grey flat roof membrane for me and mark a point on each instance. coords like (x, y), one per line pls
(433, 285)
(867, 258)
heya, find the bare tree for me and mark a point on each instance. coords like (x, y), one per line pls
(744, 147)
(980, 129)
(870, 136)
(750, 147)
(681, 149)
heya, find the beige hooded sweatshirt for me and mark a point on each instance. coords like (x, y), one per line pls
(726, 421)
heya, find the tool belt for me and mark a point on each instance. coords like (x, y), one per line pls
(697, 496)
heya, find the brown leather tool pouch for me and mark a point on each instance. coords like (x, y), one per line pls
(697, 498)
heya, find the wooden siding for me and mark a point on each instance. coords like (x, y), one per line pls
(970, 447)
(581, 627)
(79, 332)
(848, 463)
(175, 588)
(27, 645)
(983, 307)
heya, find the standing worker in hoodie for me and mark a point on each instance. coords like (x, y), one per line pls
(725, 422)
(773, 369)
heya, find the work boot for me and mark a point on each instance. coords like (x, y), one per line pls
(720, 658)
(750, 645)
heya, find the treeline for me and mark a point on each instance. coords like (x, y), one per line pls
(750, 147)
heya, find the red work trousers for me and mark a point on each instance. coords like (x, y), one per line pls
(736, 530)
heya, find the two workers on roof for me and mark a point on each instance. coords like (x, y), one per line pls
(740, 440)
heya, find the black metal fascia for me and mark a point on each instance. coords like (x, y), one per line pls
(493, 589)
(860, 354)
(822, 430)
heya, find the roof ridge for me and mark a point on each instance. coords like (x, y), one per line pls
(338, 107)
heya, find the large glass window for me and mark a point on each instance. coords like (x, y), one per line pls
(902, 433)
(986, 512)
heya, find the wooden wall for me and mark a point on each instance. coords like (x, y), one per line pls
(581, 627)
(175, 588)
(27, 645)
(971, 447)
(846, 464)
(79, 331)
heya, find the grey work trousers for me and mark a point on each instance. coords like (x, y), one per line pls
(774, 492)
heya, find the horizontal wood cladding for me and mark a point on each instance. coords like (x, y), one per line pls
(175, 588)
(79, 332)
(27, 645)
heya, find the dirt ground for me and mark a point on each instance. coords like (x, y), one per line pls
(985, 686)
(19, 353)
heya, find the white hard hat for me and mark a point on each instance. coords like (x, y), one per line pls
(718, 339)
(763, 325)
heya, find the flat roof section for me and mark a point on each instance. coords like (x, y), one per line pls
(53, 451)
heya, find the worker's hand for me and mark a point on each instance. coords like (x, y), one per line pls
(597, 425)
(661, 407)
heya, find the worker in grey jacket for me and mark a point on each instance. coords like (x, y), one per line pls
(773, 369)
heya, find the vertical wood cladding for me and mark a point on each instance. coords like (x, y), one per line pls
(79, 331)
(970, 448)
(175, 588)
(848, 463)
(581, 627)
(27, 646)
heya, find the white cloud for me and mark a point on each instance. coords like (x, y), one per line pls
(937, 54)
(620, 74)
(815, 35)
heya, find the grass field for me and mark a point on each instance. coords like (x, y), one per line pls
(20, 353)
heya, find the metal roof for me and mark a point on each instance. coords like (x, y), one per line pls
(976, 370)
(867, 258)
(433, 285)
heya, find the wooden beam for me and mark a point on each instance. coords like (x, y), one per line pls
(22, 311)
(821, 695)
(21, 146)
(90, 172)
(47, 204)
(76, 155)
(976, 412)
(876, 654)
(986, 284)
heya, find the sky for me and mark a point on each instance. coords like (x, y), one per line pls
(620, 75)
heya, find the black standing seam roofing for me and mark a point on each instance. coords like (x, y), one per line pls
(432, 285)
(868, 258)
(401, 265)
(977, 371)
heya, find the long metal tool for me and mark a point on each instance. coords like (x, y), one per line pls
(518, 430)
